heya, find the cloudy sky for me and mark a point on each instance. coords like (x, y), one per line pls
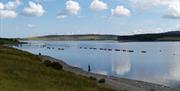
(26, 18)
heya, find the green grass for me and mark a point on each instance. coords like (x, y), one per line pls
(8, 41)
(22, 71)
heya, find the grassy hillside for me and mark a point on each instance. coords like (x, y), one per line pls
(22, 71)
(167, 36)
(8, 41)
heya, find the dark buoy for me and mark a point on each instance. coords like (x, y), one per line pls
(117, 49)
(130, 51)
(44, 46)
(124, 50)
(143, 51)
(101, 48)
(109, 49)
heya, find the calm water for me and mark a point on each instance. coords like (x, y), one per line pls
(156, 62)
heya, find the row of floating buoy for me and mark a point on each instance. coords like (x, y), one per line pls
(109, 49)
(105, 49)
(54, 48)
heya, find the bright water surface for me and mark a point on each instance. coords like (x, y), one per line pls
(156, 62)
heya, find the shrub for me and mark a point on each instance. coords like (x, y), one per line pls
(152, 89)
(54, 65)
(101, 81)
(47, 63)
(92, 78)
(125, 90)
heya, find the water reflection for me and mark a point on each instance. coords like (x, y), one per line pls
(103, 72)
(174, 73)
(174, 68)
(121, 65)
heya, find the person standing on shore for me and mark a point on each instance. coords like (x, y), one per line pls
(89, 68)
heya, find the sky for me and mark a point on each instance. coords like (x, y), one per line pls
(27, 18)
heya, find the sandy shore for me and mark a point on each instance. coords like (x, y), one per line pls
(113, 82)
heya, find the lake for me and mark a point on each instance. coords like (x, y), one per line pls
(156, 62)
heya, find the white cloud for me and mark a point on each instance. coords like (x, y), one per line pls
(8, 10)
(173, 11)
(11, 5)
(1, 6)
(44, 0)
(120, 11)
(31, 25)
(155, 30)
(172, 6)
(72, 8)
(34, 9)
(178, 27)
(7, 14)
(144, 4)
(61, 16)
(98, 5)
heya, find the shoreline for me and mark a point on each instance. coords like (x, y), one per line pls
(111, 81)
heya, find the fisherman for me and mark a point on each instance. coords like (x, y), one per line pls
(89, 68)
(39, 54)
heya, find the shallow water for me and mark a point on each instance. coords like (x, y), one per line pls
(156, 62)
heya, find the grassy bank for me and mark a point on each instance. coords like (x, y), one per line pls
(22, 71)
(8, 41)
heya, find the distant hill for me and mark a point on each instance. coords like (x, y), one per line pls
(76, 37)
(173, 33)
(166, 36)
(9, 41)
